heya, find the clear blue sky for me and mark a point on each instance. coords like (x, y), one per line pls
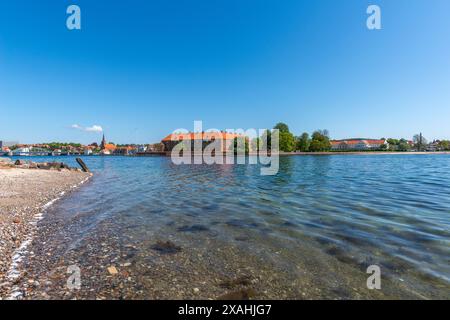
(141, 69)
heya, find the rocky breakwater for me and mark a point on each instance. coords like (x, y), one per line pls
(21, 164)
(26, 190)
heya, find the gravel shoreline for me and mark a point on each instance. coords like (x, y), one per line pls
(24, 196)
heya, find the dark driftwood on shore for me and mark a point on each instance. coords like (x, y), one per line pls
(82, 165)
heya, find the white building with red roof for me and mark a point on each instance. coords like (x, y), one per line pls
(358, 144)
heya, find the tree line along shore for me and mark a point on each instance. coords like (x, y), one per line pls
(317, 142)
(320, 142)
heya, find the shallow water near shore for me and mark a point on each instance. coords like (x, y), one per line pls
(309, 232)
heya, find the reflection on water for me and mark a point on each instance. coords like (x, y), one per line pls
(362, 210)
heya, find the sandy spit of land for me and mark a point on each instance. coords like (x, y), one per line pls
(24, 194)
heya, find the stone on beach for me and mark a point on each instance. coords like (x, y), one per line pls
(19, 162)
(52, 165)
(22, 164)
(112, 270)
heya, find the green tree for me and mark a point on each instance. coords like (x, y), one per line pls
(62, 145)
(282, 127)
(420, 142)
(444, 145)
(320, 141)
(287, 139)
(403, 145)
(393, 142)
(303, 142)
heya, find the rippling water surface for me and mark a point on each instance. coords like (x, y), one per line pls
(391, 210)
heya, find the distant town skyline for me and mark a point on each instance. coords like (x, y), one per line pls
(137, 71)
(102, 138)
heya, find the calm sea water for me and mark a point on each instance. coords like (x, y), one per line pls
(393, 210)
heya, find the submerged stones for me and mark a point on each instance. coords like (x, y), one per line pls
(240, 223)
(244, 294)
(193, 228)
(240, 281)
(240, 286)
(340, 255)
(242, 238)
(166, 247)
(288, 224)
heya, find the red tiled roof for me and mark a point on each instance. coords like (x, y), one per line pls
(110, 146)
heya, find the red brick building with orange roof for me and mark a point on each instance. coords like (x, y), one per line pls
(226, 138)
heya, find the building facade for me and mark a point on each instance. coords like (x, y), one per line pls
(358, 144)
(204, 138)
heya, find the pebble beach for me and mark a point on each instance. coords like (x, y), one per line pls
(24, 196)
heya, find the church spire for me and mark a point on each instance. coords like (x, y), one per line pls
(103, 144)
